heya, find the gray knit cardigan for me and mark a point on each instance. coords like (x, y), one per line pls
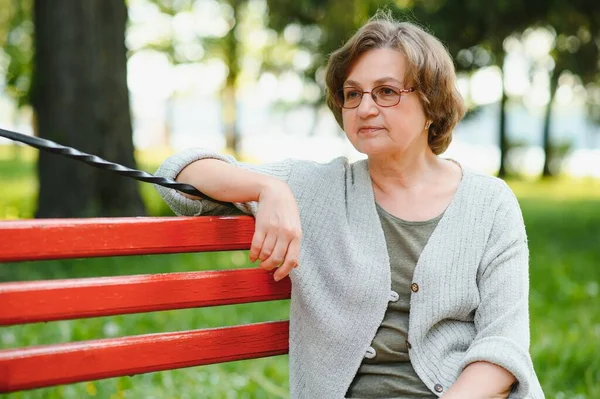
(472, 301)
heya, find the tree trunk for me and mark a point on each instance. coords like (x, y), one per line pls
(229, 97)
(503, 141)
(167, 135)
(230, 118)
(81, 100)
(312, 131)
(547, 143)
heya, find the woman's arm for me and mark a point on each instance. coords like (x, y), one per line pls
(501, 319)
(481, 380)
(223, 181)
(276, 240)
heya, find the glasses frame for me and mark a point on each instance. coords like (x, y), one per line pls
(339, 95)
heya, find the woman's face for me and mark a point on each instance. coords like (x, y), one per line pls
(376, 130)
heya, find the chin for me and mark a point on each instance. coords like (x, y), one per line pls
(368, 146)
(371, 150)
(382, 150)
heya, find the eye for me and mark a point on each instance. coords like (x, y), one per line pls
(350, 94)
(387, 91)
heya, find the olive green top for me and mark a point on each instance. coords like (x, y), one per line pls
(389, 373)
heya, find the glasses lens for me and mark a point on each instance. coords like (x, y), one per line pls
(386, 96)
(350, 97)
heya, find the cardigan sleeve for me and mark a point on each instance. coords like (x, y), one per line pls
(502, 317)
(184, 206)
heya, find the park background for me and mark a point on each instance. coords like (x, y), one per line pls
(138, 80)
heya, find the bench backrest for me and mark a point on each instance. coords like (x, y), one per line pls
(29, 302)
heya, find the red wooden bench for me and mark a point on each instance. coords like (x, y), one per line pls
(36, 301)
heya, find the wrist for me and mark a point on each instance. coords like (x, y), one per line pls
(268, 184)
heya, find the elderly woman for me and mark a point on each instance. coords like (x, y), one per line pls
(409, 271)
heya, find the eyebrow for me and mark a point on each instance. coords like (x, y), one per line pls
(377, 82)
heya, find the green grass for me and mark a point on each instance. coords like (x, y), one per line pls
(563, 224)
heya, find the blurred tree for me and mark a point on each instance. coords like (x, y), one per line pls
(475, 33)
(314, 25)
(231, 56)
(168, 45)
(16, 52)
(576, 50)
(464, 24)
(16, 42)
(227, 48)
(81, 99)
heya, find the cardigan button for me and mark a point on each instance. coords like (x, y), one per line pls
(414, 287)
(370, 354)
(394, 296)
(438, 388)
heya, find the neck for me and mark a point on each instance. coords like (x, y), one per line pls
(404, 171)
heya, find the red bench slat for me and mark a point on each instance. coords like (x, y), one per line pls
(45, 366)
(83, 238)
(28, 302)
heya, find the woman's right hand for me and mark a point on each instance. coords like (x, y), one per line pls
(277, 234)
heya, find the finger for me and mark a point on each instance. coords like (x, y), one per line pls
(257, 243)
(278, 255)
(291, 260)
(267, 247)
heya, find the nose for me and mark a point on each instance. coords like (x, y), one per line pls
(367, 106)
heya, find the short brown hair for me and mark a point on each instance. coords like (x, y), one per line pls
(429, 70)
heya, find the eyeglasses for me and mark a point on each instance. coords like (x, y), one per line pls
(384, 96)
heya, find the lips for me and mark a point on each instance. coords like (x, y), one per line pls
(369, 129)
